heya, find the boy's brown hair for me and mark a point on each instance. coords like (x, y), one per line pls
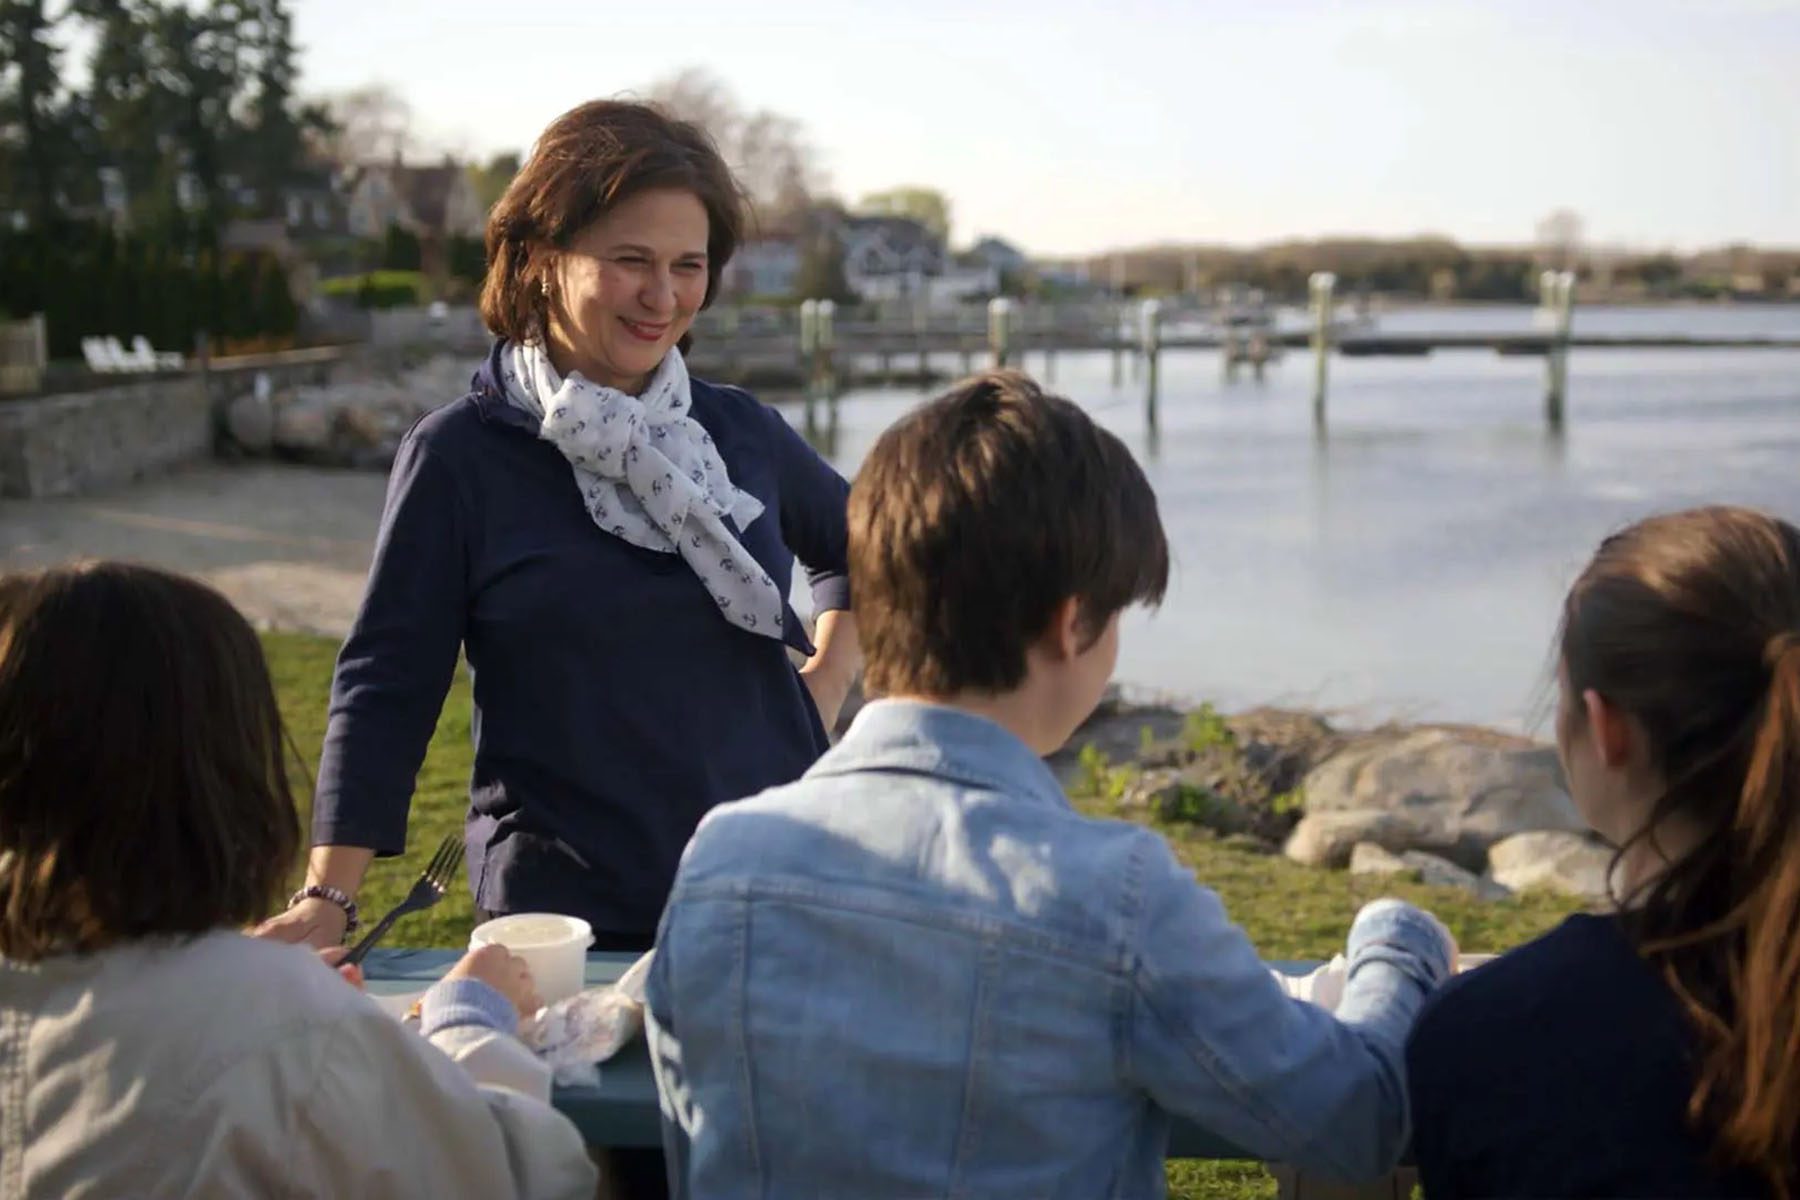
(142, 781)
(974, 517)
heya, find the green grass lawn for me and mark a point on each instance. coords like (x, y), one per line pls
(1289, 911)
(301, 668)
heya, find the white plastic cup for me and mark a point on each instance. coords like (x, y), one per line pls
(552, 945)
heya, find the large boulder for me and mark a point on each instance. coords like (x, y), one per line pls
(1327, 839)
(305, 423)
(1571, 863)
(1367, 858)
(1280, 746)
(364, 424)
(250, 419)
(356, 421)
(1451, 792)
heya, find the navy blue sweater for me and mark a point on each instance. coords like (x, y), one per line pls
(1561, 1069)
(614, 705)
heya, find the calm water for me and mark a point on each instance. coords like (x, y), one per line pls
(1410, 563)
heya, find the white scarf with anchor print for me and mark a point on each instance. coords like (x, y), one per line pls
(650, 474)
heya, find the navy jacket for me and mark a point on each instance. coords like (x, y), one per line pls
(1561, 1069)
(614, 706)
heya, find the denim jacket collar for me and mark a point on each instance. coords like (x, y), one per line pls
(934, 739)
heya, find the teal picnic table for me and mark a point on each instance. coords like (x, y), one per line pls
(622, 1109)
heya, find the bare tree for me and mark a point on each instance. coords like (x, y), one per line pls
(768, 151)
(777, 166)
(369, 124)
(696, 94)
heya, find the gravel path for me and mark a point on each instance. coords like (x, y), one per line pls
(289, 545)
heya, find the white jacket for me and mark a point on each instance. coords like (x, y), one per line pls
(226, 1066)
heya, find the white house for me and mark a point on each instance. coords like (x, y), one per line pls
(999, 254)
(890, 258)
(765, 267)
(427, 201)
(966, 278)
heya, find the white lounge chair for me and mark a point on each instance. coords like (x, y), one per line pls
(99, 358)
(158, 360)
(123, 359)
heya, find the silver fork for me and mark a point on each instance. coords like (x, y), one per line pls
(430, 888)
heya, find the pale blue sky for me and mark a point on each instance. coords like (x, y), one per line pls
(1078, 126)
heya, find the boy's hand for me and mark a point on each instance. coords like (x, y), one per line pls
(503, 971)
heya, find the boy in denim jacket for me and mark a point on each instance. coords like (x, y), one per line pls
(917, 971)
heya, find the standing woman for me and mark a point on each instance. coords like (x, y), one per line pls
(608, 541)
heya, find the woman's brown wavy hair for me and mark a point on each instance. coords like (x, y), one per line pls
(587, 161)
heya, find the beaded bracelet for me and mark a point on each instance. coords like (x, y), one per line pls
(337, 896)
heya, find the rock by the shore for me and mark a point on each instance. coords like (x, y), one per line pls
(1428, 801)
(250, 420)
(1451, 792)
(1116, 729)
(1327, 839)
(1371, 858)
(1147, 792)
(1281, 745)
(1367, 858)
(1177, 794)
(1571, 863)
(349, 422)
(1235, 775)
(303, 424)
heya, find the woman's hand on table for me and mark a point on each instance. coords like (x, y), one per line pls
(503, 971)
(315, 920)
(318, 923)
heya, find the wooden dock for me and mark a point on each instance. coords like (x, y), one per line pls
(871, 340)
(814, 350)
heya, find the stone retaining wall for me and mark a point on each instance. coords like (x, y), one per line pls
(66, 445)
(130, 427)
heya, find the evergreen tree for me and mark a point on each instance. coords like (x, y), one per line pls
(400, 250)
(275, 147)
(36, 165)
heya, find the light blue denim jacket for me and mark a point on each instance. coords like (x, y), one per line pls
(917, 972)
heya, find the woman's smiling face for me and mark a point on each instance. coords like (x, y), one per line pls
(628, 287)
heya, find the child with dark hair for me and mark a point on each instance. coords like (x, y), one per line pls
(147, 1048)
